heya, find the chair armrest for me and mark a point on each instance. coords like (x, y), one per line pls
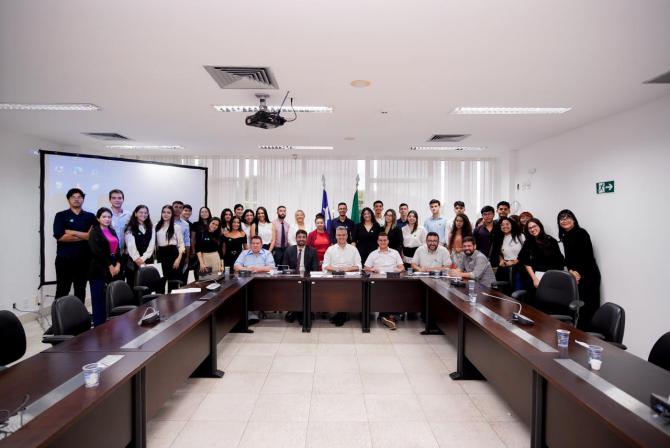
(563, 318)
(598, 335)
(148, 298)
(621, 346)
(174, 284)
(575, 305)
(56, 339)
(519, 295)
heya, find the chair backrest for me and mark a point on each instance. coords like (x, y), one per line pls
(660, 352)
(69, 316)
(12, 338)
(119, 294)
(150, 277)
(557, 288)
(610, 321)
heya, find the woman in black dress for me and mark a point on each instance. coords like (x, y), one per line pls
(581, 263)
(365, 234)
(234, 242)
(207, 247)
(539, 254)
(392, 230)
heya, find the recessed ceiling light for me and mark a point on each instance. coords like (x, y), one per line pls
(302, 109)
(148, 147)
(447, 148)
(50, 107)
(291, 147)
(360, 83)
(509, 110)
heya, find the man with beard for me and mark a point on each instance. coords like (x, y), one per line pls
(474, 265)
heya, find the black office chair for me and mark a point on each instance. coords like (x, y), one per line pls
(12, 339)
(660, 352)
(120, 299)
(608, 324)
(154, 285)
(69, 317)
(557, 295)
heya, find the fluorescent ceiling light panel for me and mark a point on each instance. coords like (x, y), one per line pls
(291, 147)
(50, 107)
(447, 148)
(149, 147)
(509, 110)
(287, 108)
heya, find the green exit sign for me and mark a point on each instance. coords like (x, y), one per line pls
(605, 187)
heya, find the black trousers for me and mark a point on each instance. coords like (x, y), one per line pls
(166, 257)
(72, 272)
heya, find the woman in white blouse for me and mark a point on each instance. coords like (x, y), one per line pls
(299, 225)
(248, 224)
(413, 236)
(140, 241)
(264, 229)
(512, 242)
(169, 244)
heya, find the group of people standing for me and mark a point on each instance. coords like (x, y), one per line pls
(115, 243)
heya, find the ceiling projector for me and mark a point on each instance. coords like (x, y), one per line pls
(265, 119)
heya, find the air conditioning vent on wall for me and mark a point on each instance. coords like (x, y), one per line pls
(447, 137)
(242, 77)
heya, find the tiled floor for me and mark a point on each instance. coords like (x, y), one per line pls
(333, 387)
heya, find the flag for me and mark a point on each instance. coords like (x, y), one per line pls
(324, 203)
(355, 212)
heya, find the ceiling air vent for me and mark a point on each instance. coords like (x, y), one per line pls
(447, 138)
(106, 136)
(243, 77)
(660, 79)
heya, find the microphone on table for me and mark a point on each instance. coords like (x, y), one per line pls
(516, 317)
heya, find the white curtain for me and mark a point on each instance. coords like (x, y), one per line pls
(296, 184)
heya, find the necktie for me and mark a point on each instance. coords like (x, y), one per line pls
(283, 236)
(299, 259)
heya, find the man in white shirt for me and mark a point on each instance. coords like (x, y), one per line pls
(383, 260)
(341, 257)
(120, 217)
(178, 208)
(431, 256)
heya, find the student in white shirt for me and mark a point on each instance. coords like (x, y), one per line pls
(431, 256)
(384, 259)
(140, 240)
(264, 229)
(510, 246)
(413, 236)
(169, 244)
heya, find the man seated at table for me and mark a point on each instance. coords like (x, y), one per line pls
(431, 256)
(301, 258)
(255, 259)
(474, 265)
(384, 259)
(341, 257)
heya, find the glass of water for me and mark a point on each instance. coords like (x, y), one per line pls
(471, 291)
(92, 374)
(562, 338)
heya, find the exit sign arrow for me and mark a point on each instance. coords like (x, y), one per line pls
(605, 187)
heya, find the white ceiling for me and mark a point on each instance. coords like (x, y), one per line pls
(142, 62)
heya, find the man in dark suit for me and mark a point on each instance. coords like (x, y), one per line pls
(301, 258)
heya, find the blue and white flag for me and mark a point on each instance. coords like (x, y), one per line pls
(324, 203)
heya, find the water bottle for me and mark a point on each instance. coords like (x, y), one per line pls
(471, 291)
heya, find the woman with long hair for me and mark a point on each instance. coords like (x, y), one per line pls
(392, 230)
(460, 228)
(510, 246)
(319, 239)
(581, 263)
(413, 236)
(105, 265)
(248, 224)
(197, 228)
(207, 247)
(226, 218)
(169, 244)
(298, 225)
(140, 242)
(540, 253)
(524, 217)
(234, 242)
(365, 234)
(264, 228)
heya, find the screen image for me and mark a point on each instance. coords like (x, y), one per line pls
(150, 183)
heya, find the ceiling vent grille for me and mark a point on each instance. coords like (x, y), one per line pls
(243, 77)
(447, 138)
(106, 136)
(660, 79)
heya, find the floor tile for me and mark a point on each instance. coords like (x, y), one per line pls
(258, 348)
(226, 407)
(422, 364)
(493, 408)
(513, 434)
(210, 434)
(374, 349)
(337, 408)
(477, 387)
(336, 363)
(380, 364)
(386, 383)
(403, 434)
(434, 383)
(466, 435)
(337, 383)
(239, 383)
(250, 363)
(293, 363)
(282, 407)
(288, 383)
(274, 435)
(164, 431)
(403, 350)
(393, 407)
(336, 349)
(338, 435)
(180, 406)
(442, 408)
(295, 348)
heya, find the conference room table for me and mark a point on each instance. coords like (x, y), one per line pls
(562, 401)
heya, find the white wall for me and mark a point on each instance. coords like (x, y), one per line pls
(629, 228)
(19, 183)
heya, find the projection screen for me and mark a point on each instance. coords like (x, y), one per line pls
(150, 183)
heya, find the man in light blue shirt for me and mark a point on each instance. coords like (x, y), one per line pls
(178, 207)
(255, 259)
(437, 223)
(120, 217)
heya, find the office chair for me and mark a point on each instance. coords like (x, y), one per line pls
(12, 339)
(660, 352)
(69, 317)
(608, 324)
(556, 293)
(150, 279)
(120, 298)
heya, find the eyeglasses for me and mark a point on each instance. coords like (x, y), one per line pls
(565, 218)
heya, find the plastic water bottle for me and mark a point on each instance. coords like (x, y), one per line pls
(471, 291)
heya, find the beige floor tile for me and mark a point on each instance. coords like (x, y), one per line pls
(250, 363)
(434, 383)
(259, 348)
(376, 336)
(403, 350)
(380, 364)
(180, 406)
(444, 408)
(164, 431)
(288, 383)
(336, 349)
(293, 363)
(198, 385)
(239, 383)
(335, 336)
(210, 434)
(423, 364)
(338, 435)
(513, 434)
(403, 434)
(337, 408)
(274, 435)
(282, 407)
(393, 407)
(338, 383)
(289, 348)
(407, 336)
(374, 349)
(465, 435)
(336, 363)
(386, 383)
(226, 407)
(477, 387)
(300, 338)
(493, 408)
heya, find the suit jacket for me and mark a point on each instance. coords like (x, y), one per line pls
(310, 259)
(101, 258)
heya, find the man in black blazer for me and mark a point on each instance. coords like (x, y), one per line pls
(301, 258)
